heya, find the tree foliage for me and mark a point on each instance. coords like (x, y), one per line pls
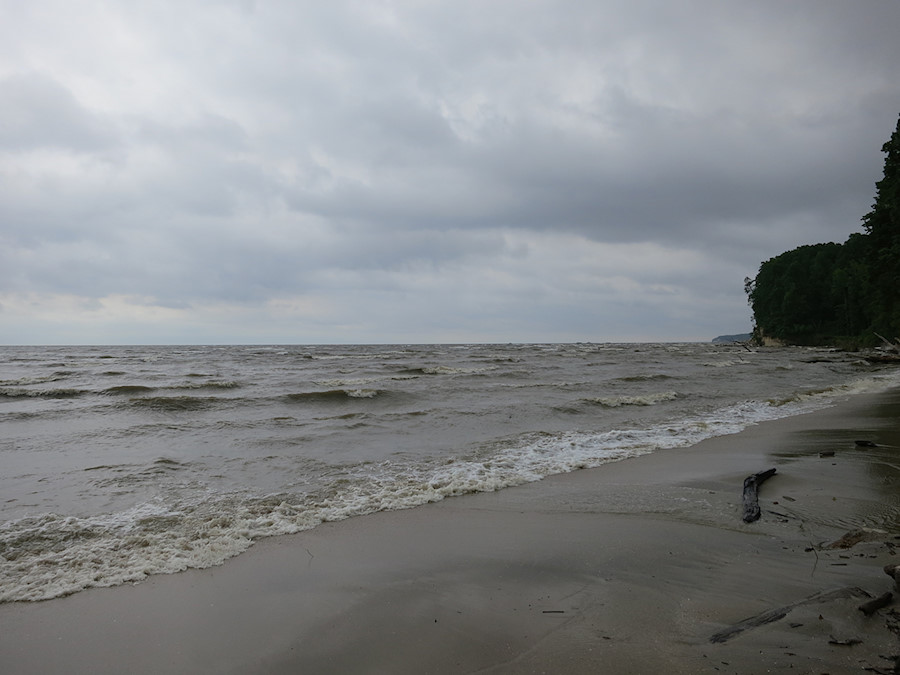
(827, 292)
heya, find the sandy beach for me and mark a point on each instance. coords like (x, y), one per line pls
(641, 566)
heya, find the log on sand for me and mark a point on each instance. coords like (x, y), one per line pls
(872, 606)
(781, 612)
(751, 494)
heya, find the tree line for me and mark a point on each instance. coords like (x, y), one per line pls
(845, 294)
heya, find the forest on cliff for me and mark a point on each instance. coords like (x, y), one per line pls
(844, 294)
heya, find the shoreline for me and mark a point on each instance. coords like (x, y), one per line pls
(626, 568)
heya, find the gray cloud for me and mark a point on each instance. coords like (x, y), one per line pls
(356, 171)
(39, 113)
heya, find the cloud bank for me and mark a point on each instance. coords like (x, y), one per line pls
(238, 171)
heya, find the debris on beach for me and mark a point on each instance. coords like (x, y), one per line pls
(893, 571)
(855, 537)
(750, 495)
(778, 613)
(872, 606)
(848, 642)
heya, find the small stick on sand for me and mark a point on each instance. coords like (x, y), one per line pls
(751, 494)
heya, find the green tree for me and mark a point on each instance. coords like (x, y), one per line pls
(820, 293)
(794, 295)
(882, 224)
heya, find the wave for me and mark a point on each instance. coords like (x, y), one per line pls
(211, 384)
(42, 393)
(161, 463)
(347, 416)
(333, 395)
(353, 383)
(175, 403)
(544, 385)
(646, 399)
(128, 390)
(127, 476)
(447, 370)
(21, 415)
(39, 379)
(864, 385)
(645, 378)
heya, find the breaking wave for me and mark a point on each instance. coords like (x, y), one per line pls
(647, 399)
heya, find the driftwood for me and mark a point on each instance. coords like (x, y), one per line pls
(854, 537)
(882, 358)
(751, 494)
(888, 345)
(773, 615)
(872, 606)
(847, 642)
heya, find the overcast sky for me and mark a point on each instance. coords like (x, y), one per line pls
(281, 171)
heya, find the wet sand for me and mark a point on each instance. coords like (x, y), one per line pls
(629, 568)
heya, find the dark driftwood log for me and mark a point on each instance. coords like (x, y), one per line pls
(872, 606)
(854, 537)
(773, 615)
(751, 494)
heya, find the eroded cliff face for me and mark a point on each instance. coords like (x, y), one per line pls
(760, 338)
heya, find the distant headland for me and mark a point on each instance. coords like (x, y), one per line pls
(740, 337)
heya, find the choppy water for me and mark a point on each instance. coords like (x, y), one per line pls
(119, 462)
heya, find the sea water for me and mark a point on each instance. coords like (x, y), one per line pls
(121, 462)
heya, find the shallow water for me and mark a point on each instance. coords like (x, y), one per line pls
(120, 462)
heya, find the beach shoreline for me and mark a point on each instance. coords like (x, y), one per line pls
(631, 567)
